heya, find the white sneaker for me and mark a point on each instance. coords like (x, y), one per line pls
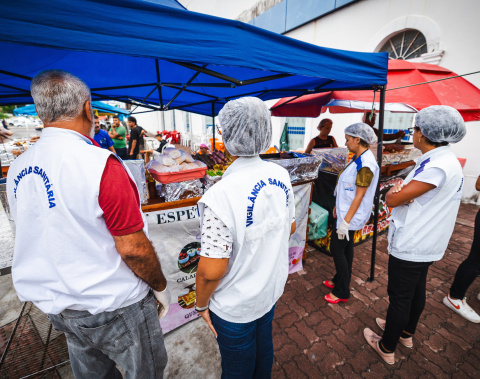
(462, 308)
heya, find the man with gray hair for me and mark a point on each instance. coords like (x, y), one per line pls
(82, 253)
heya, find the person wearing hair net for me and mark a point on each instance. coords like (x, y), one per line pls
(354, 193)
(246, 222)
(324, 139)
(425, 208)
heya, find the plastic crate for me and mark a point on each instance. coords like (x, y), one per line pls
(178, 176)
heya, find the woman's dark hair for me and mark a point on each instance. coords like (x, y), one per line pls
(430, 142)
(364, 143)
(132, 119)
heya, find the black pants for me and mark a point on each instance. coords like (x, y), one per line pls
(470, 267)
(342, 252)
(122, 153)
(406, 289)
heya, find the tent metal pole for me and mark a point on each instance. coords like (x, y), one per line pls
(377, 192)
(213, 125)
(160, 99)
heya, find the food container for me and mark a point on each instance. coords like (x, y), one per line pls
(332, 159)
(137, 169)
(301, 167)
(183, 258)
(182, 190)
(178, 176)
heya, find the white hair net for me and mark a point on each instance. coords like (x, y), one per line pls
(363, 131)
(246, 126)
(441, 123)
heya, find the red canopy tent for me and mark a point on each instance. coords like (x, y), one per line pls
(457, 92)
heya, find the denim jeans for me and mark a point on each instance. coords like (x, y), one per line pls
(130, 337)
(246, 349)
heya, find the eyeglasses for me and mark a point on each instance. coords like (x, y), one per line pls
(410, 130)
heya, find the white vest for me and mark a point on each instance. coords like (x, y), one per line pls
(346, 189)
(65, 257)
(255, 201)
(421, 233)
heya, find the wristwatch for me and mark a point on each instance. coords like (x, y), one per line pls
(203, 309)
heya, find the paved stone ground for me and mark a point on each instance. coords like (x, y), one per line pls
(315, 339)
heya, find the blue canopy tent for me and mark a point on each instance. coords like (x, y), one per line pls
(29, 110)
(157, 54)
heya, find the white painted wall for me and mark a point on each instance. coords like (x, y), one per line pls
(451, 28)
(221, 8)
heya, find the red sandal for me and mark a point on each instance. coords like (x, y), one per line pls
(326, 284)
(329, 299)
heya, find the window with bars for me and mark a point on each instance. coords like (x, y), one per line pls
(406, 45)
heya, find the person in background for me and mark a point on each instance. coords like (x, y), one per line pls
(162, 141)
(247, 219)
(203, 149)
(468, 270)
(82, 253)
(102, 137)
(424, 212)
(4, 124)
(324, 139)
(118, 133)
(386, 136)
(4, 132)
(355, 190)
(160, 148)
(136, 142)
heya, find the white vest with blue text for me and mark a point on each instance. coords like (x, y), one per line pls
(255, 201)
(65, 257)
(421, 233)
(346, 189)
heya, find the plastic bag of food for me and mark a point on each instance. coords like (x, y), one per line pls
(189, 166)
(155, 165)
(164, 160)
(186, 157)
(172, 152)
(200, 164)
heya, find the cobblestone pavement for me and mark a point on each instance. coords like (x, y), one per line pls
(315, 339)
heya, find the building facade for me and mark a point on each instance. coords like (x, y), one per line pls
(439, 32)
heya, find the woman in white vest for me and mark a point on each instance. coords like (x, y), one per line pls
(247, 219)
(421, 224)
(354, 198)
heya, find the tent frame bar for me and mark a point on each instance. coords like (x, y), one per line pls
(236, 82)
(183, 89)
